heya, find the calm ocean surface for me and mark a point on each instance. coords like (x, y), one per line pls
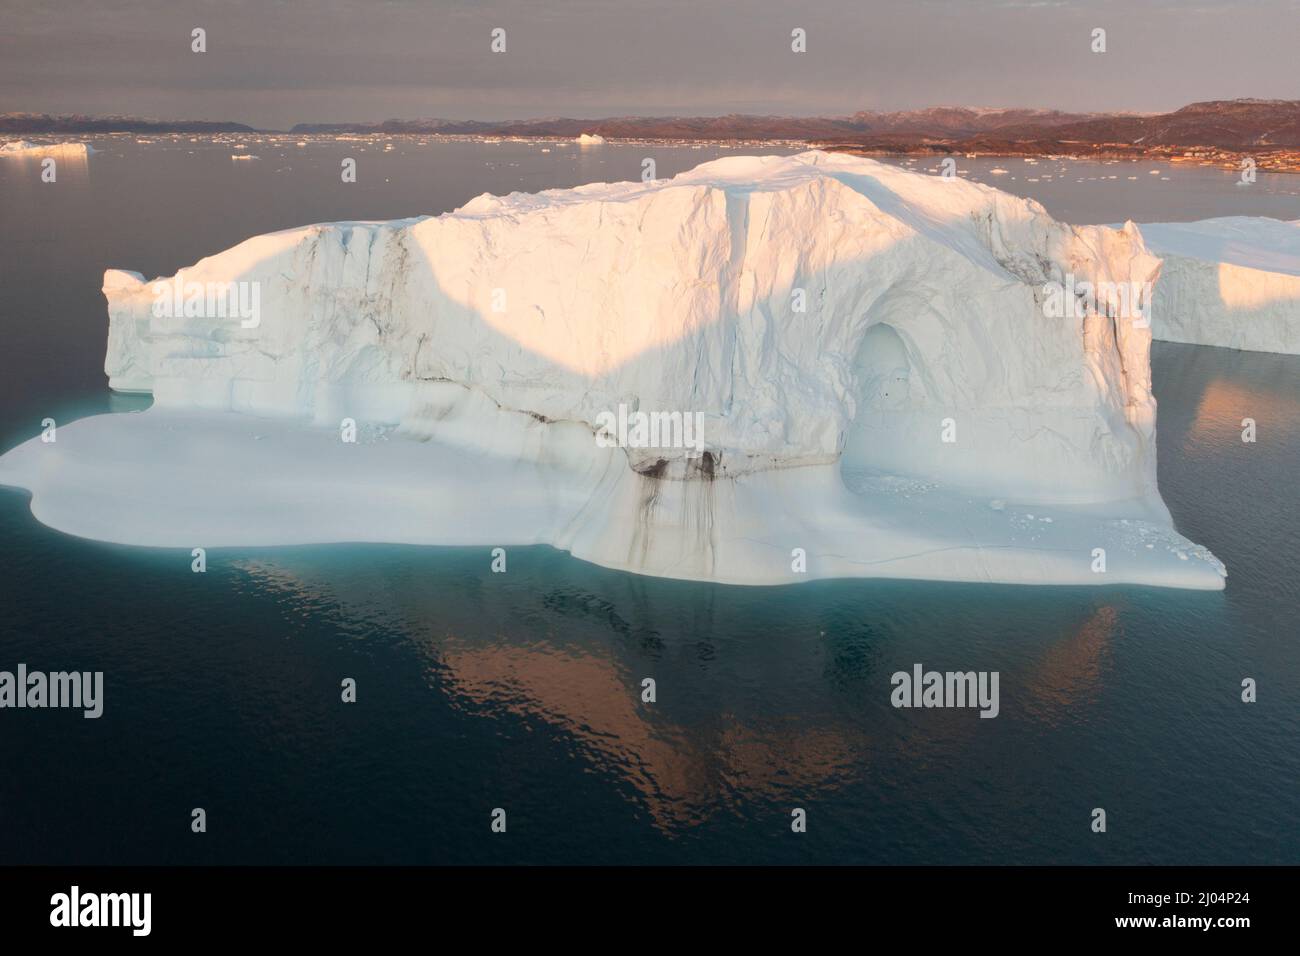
(521, 691)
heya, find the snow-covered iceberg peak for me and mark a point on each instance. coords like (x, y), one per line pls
(856, 361)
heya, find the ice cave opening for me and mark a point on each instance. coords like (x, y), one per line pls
(884, 438)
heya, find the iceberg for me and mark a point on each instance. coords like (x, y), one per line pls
(1232, 282)
(590, 139)
(861, 354)
(23, 149)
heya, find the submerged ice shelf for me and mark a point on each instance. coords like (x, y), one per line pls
(865, 349)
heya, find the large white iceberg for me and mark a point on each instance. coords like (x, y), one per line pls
(864, 352)
(1231, 282)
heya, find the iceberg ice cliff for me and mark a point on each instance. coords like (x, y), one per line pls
(865, 349)
(1231, 282)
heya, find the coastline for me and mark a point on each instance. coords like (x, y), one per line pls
(1273, 161)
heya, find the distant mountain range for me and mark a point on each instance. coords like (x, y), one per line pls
(74, 123)
(947, 121)
(1226, 124)
(1235, 125)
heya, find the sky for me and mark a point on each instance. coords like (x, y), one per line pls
(273, 63)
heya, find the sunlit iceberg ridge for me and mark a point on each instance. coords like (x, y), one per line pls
(861, 354)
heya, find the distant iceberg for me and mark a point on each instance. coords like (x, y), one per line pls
(590, 139)
(861, 353)
(1231, 282)
(22, 149)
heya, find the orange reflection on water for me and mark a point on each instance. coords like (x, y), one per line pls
(1224, 404)
(588, 698)
(70, 165)
(1069, 675)
(681, 777)
(684, 768)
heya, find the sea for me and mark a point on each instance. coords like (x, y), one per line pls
(519, 698)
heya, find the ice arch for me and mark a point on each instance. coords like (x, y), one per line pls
(883, 437)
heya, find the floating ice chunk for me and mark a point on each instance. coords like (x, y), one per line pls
(22, 149)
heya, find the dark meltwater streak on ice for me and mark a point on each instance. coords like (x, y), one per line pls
(521, 690)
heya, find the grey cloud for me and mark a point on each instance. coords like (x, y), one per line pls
(273, 64)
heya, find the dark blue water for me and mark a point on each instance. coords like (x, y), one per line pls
(522, 690)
